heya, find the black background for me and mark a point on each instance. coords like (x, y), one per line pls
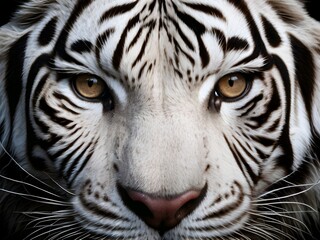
(8, 7)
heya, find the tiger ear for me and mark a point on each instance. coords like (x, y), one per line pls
(316, 97)
(8, 36)
(31, 12)
(294, 13)
(290, 11)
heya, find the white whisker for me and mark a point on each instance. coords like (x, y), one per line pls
(282, 223)
(281, 203)
(57, 228)
(310, 186)
(45, 200)
(61, 187)
(30, 185)
(25, 171)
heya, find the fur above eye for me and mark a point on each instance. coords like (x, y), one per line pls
(89, 86)
(233, 86)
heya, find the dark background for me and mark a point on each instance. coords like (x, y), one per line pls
(8, 7)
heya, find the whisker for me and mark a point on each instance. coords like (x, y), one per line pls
(25, 171)
(60, 186)
(242, 236)
(83, 236)
(37, 222)
(272, 228)
(29, 197)
(57, 236)
(77, 232)
(259, 232)
(282, 203)
(30, 185)
(310, 186)
(57, 228)
(65, 211)
(273, 220)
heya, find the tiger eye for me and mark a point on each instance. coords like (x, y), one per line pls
(89, 86)
(232, 86)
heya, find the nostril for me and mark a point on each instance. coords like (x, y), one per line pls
(190, 205)
(159, 213)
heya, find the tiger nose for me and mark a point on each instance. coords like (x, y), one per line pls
(162, 214)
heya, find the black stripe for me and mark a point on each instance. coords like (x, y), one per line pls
(112, 12)
(235, 157)
(39, 88)
(53, 114)
(102, 38)
(98, 210)
(152, 5)
(135, 39)
(54, 139)
(304, 72)
(253, 158)
(220, 37)
(151, 26)
(2, 129)
(225, 211)
(284, 140)
(63, 97)
(76, 161)
(272, 106)
(142, 69)
(210, 228)
(48, 32)
(237, 44)
(184, 38)
(101, 41)
(199, 29)
(14, 71)
(32, 140)
(253, 176)
(206, 9)
(84, 163)
(81, 46)
(271, 33)
(250, 105)
(60, 48)
(264, 140)
(259, 47)
(118, 53)
(65, 148)
(42, 124)
(261, 154)
(68, 158)
(274, 126)
(187, 55)
(64, 107)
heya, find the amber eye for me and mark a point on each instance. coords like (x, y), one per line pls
(233, 86)
(89, 86)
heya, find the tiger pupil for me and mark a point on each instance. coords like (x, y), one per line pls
(90, 83)
(231, 82)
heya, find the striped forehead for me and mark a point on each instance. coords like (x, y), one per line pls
(185, 40)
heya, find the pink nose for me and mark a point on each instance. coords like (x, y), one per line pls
(162, 214)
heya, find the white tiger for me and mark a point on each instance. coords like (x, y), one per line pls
(154, 119)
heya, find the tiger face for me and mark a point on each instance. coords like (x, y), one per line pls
(162, 119)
